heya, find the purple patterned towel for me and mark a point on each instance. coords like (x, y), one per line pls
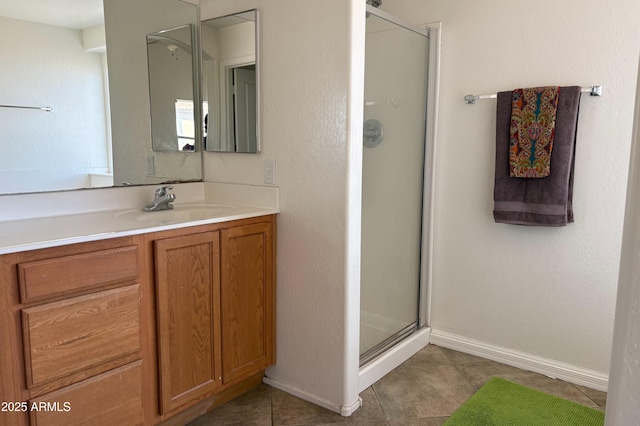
(537, 202)
(533, 123)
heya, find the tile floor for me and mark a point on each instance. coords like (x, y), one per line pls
(423, 391)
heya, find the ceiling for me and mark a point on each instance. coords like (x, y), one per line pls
(77, 14)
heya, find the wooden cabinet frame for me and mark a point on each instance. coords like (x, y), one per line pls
(233, 265)
(54, 326)
(223, 316)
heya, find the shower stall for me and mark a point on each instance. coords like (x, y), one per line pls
(397, 156)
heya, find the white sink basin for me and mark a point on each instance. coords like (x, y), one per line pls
(180, 213)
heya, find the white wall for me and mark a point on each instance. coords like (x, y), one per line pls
(237, 40)
(48, 66)
(544, 292)
(624, 385)
(94, 40)
(308, 126)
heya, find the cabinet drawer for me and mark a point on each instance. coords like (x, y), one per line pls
(60, 276)
(64, 337)
(112, 398)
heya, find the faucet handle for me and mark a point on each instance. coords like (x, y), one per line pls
(161, 191)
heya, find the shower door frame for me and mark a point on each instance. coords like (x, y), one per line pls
(423, 297)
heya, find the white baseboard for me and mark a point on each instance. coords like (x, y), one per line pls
(344, 410)
(526, 361)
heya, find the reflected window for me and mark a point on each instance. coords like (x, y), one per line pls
(205, 124)
(184, 125)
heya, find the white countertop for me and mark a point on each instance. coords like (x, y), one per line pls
(30, 234)
(35, 221)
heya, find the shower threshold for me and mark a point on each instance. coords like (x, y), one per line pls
(387, 344)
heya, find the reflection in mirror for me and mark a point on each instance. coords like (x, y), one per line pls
(128, 23)
(54, 60)
(171, 89)
(54, 55)
(229, 83)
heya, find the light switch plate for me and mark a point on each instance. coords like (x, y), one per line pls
(151, 167)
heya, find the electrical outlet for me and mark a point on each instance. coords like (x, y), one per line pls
(270, 172)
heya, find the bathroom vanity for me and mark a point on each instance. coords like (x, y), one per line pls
(156, 322)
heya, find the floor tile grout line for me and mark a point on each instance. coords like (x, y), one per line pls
(457, 367)
(386, 416)
(273, 422)
(585, 394)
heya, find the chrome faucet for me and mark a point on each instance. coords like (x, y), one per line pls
(161, 201)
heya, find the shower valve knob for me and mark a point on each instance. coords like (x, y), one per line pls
(373, 133)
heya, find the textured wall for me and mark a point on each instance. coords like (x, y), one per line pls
(546, 292)
(306, 126)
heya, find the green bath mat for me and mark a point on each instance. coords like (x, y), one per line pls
(502, 403)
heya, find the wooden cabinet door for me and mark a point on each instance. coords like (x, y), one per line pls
(188, 318)
(247, 300)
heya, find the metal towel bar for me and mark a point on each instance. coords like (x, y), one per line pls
(41, 108)
(471, 99)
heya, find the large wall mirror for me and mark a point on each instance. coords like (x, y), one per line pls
(230, 83)
(98, 129)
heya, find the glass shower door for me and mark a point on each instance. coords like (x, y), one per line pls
(393, 183)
